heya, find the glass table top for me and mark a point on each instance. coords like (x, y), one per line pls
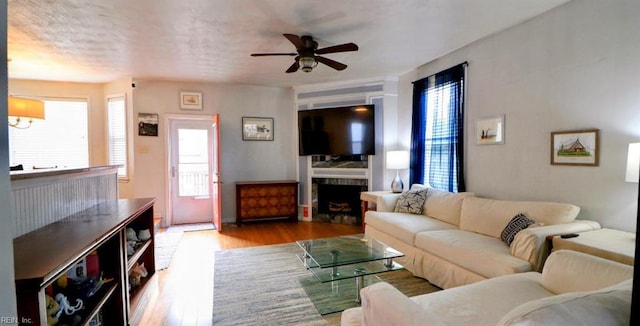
(337, 262)
(344, 257)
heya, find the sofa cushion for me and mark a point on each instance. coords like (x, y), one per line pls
(487, 256)
(564, 271)
(480, 303)
(490, 216)
(417, 186)
(383, 304)
(351, 317)
(444, 206)
(411, 201)
(608, 306)
(404, 226)
(517, 224)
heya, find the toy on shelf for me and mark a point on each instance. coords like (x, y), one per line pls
(131, 235)
(62, 281)
(136, 274)
(135, 240)
(144, 235)
(65, 306)
(52, 310)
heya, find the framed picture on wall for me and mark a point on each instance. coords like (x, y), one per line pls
(490, 131)
(576, 147)
(191, 100)
(147, 124)
(254, 128)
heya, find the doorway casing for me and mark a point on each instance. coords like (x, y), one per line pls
(169, 119)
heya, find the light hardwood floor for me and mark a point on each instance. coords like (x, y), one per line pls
(183, 293)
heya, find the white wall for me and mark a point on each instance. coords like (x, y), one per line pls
(575, 67)
(241, 160)
(7, 283)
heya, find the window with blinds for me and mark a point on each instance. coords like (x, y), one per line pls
(437, 130)
(439, 138)
(58, 141)
(117, 142)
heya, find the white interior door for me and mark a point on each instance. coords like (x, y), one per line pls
(191, 164)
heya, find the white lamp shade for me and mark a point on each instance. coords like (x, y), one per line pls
(633, 163)
(397, 160)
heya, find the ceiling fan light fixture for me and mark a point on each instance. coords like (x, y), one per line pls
(308, 63)
(307, 56)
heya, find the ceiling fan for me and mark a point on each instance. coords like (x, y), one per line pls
(307, 53)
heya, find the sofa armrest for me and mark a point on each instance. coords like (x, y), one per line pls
(383, 304)
(564, 272)
(387, 202)
(531, 244)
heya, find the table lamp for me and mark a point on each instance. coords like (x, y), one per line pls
(397, 160)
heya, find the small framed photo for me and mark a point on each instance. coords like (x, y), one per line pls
(490, 131)
(147, 124)
(576, 147)
(254, 128)
(191, 100)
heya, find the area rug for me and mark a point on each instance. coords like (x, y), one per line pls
(191, 227)
(263, 286)
(166, 244)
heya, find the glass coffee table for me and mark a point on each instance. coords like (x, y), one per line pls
(339, 261)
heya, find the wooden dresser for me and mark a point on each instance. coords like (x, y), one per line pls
(266, 199)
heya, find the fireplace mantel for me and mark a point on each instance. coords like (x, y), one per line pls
(340, 173)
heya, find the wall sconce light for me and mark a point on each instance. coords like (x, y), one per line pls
(633, 163)
(21, 109)
(397, 160)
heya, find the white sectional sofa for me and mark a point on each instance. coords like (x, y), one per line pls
(573, 289)
(456, 240)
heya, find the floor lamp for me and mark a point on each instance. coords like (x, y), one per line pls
(397, 160)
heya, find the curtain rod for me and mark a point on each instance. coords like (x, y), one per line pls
(464, 64)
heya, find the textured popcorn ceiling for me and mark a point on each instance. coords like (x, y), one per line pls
(211, 40)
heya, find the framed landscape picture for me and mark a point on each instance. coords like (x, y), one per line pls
(190, 100)
(490, 131)
(576, 147)
(254, 128)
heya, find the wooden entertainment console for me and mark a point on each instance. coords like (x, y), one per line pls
(266, 199)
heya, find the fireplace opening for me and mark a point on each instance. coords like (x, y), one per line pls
(339, 199)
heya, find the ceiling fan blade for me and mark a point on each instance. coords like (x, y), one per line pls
(268, 54)
(331, 63)
(294, 67)
(338, 48)
(296, 40)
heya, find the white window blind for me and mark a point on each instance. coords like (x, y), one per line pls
(60, 140)
(117, 117)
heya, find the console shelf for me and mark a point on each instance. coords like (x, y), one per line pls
(137, 254)
(93, 243)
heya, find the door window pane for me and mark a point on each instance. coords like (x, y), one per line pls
(193, 162)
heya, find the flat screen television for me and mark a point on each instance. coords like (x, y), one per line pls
(337, 131)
